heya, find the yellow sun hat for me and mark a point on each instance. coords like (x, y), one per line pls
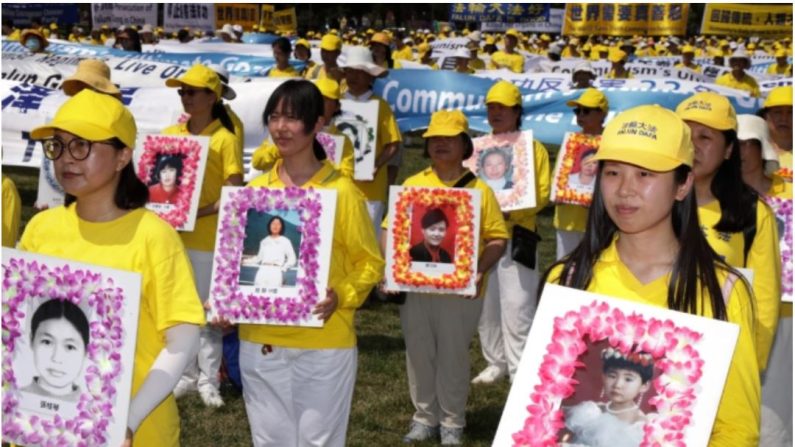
(505, 93)
(199, 76)
(710, 109)
(649, 136)
(447, 123)
(94, 73)
(93, 116)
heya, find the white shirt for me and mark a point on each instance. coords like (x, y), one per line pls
(276, 251)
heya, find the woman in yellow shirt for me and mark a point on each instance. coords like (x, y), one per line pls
(298, 382)
(739, 226)
(438, 328)
(104, 223)
(12, 212)
(643, 244)
(200, 90)
(281, 52)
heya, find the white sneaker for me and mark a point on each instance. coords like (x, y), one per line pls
(489, 375)
(183, 387)
(452, 436)
(211, 396)
(420, 432)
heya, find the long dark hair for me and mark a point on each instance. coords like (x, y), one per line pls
(219, 113)
(695, 263)
(55, 309)
(301, 100)
(131, 192)
(736, 198)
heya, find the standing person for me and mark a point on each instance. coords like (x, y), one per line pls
(782, 65)
(298, 382)
(583, 76)
(643, 244)
(438, 329)
(200, 90)
(737, 78)
(777, 111)
(303, 52)
(93, 74)
(738, 225)
(618, 60)
(509, 304)
(382, 54)
(688, 53)
(360, 73)
(281, 52)
(508, 57)
(229, 94)
(128, 40)
(103, 222)
(330, 49)
(12, 212)
(275, 255)
(462, 56)
(757, 155)
(569, 221)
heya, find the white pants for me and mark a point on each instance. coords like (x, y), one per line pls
(438, 330)
(375, 209)
(508, 310)
(203, 370)
(297, 397)
(567, 241)
(777, 380)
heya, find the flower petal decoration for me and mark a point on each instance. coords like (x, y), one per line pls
(783, 210)
(573, 145)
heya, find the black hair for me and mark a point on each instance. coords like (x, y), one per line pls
(302, 100)
(163, 161)
(695, 265)
(587, 152)
(390, 63)
(283, 44)
(281, 232)
(432, 217)
(131, 192)
(57, 308)
(220, 113)
(646, 372)
(135, 38)
(736, 198)
(469, 147)
(183, 35)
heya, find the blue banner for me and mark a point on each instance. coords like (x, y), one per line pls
(499, 12)
(415, 94)
(22, 13)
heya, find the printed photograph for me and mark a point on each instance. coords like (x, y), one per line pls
(165, 179)
(495, 167)
(271, 247)
(433, 231)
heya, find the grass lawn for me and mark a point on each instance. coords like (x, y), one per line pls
(381, 406)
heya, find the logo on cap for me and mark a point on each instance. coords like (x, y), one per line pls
(638, 128)
(699, 105)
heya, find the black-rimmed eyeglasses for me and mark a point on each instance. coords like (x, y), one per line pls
(78, 148)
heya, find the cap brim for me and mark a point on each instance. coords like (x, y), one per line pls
(228, 93)
(646, 160)
(442, 133)
(80, 128)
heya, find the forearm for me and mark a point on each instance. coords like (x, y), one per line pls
(491, 254)
(390, 150)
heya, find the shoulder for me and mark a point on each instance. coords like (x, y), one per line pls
(421, 178)
(175, 129)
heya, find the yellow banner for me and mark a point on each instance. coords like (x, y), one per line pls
(765, 21)
(285, 20)
(236, 14)
(625, 19)
(266, 19)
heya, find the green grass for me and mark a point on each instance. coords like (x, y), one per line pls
(381, 409)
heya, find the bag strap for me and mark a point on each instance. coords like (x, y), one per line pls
(749, 233)
(463, 181)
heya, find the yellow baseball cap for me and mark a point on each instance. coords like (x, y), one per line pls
(304, 43)
(447, 123)
(328, 88)
(505, 93)
(648, 136)
(93, 116)
(591, 98)
(710, 109)
(199, 76)
(513, 32)
(545, 38)
(688, 49)
(381, 38)
(779, 96)
(330, 42)
(616, 55)
(781, 53)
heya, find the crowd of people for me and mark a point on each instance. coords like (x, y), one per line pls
(675, 213)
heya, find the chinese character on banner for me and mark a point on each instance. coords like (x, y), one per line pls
(746, 19)
(675, 12)
(735, 17)
(592, 12)
(460, 8)
(576, 13)
(624, 13)
(608, 12)
(477, 8)
(26, 97)
(517, 10)
(642, 13)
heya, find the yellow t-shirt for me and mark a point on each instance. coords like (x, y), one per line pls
(513, 62)
(267, 153)
(12, 212)
(289, 72)
(763, 259)
(388, 132)
(138, 242)
(747, 83)
(240, 132)
(737, 421)
(356, 266)
(777, 70)
(405, 54)
(695, 67)
(224, 160)
(477, 64)
(527, 217)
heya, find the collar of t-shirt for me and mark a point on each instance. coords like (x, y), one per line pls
(321, 177)
(363, 97)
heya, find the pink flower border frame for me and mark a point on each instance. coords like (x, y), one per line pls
(227, 300)
(24, 280)
(783, 211)
(680, 365)
(192, 149)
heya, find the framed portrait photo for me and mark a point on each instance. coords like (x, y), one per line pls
(359, 121)
(623, 373)
(271, 263)
(69, 334)
(432, 242)
(782, 208)
(505, 162)
(333, 145)
(574, 177)
(172, 167)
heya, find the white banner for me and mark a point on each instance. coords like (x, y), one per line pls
(203, 46)
(191, 15)
(553, 26)
(123, 14)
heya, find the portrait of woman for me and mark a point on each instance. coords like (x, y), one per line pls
(58, 337)
(617, 420)
(495, 167)
(276, 254)
(586, 175)
(434, 228)
(164, 183)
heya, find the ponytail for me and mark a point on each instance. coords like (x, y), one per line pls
(219, 112)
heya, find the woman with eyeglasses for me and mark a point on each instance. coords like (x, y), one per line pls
(104, 222)
(200, 90)
(569, 221)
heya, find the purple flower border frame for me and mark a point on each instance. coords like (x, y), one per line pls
(25, 280)
(228, 301)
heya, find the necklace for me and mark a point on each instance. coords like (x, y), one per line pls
(625, 410)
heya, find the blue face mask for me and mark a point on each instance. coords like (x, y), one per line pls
(33, 44)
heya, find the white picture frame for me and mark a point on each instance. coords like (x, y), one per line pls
(506, 163)
(359, 122)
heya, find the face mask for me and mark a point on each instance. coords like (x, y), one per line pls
(33, 44)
